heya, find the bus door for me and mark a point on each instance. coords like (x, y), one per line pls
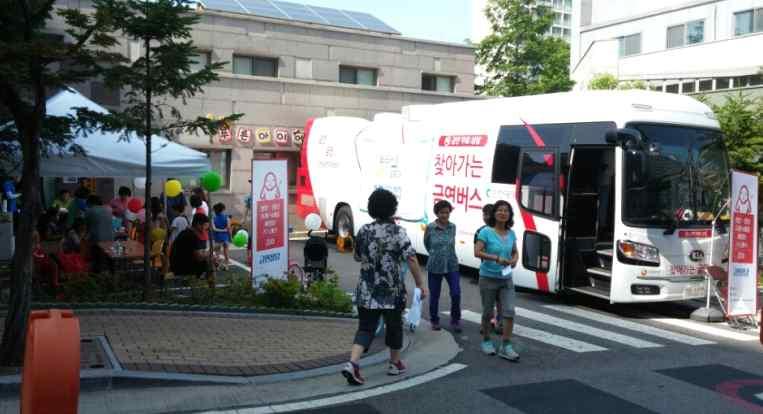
(537, 195)
(588, 220)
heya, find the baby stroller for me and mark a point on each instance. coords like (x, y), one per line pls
(316, 257)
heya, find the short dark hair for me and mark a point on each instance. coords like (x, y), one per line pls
(382, 204)
(124, 192)
(62, 192)
(156, 206)
(200, 219)
(219, 208)
(501, 203)
(488, 209)
(178, 208)
(82, 192)
(441, 205)
(194, 201)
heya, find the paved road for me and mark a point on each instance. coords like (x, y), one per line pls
(583, 355)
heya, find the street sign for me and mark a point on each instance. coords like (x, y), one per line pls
(743, 255)
(270, 255)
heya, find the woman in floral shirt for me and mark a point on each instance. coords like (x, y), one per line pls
(440, 242)
(381, 247)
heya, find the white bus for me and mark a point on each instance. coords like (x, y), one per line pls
(613, 192)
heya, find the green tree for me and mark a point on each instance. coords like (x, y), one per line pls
(519, 57)
(35, 64)
(741, 119)
(163, 29)
(603, 81)
(607, 81)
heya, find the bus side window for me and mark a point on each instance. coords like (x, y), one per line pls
(505, 164)
(538, 179)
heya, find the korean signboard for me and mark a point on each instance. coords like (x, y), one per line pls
(270, 255)
(743, 254)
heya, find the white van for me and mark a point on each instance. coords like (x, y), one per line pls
(613, 192)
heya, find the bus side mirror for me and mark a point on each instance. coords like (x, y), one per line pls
(627, 137)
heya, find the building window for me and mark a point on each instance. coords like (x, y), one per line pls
(658, 88)
(358, 76)
(221, 163)
(304, 69)
(686, 34)
(749, 80)
(722, 83)
(438, 83)
(630, 45)
(748, 21)
(671, 88)
(705, 85)
(255, 65)
(200, 61)
(688, 87)
(104, 95)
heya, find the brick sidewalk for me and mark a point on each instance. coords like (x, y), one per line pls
(198, 343)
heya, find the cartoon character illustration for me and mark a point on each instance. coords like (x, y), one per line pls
(269, 189)
(743, 204)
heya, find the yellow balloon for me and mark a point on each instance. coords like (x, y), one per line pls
(173, 188)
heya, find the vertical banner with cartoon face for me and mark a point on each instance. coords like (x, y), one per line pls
(743, 254)
(270, 255)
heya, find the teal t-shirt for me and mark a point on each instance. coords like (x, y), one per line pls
(496, 245)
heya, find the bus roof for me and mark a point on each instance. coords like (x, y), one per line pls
(583, 106)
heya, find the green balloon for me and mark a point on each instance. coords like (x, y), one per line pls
(241, 238)
(211, 181)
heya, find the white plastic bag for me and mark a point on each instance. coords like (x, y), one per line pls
(413, 317)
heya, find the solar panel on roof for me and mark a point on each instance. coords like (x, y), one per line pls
(336, 17)
(262, 8)
(371, 22)
(299, 12)
(223, 5)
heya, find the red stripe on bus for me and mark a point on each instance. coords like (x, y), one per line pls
(540, 277)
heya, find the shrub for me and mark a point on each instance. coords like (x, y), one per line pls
(280, 293)
(326, 295)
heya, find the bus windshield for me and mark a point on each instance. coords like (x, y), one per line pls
(680, 177)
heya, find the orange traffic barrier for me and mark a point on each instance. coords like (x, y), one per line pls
(50, 378)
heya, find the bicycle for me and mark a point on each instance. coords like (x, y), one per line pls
(305, 278)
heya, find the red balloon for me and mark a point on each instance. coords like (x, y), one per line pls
(134, 205)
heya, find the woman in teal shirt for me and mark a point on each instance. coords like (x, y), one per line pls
(496, 246)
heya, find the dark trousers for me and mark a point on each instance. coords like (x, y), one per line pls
(368, 321)
(435, 286)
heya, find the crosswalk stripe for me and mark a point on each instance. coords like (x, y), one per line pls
(709, 330)
(535, 334)
(633, 326)
(585, 329)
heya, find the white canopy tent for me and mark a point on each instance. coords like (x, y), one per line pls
(109, 155)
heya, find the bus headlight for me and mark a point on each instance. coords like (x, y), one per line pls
(637, 253)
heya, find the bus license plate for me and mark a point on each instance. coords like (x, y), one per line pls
(694, 291)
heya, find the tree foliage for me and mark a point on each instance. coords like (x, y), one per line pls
(35, 64)
(607, 81)
(519, 57)
(741, 119)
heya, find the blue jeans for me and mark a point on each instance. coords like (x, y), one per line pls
(435, 285)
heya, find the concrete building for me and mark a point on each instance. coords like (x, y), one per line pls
(677, 46)
(289, 62)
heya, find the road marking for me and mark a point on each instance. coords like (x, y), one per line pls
(709, 330)
(625, 324)
(349, 397)
(546, 337)
(585, 329)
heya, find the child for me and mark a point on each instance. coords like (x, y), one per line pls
(179, 223)
(221, 230)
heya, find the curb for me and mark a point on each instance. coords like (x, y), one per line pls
(106, 379)
(186, 308)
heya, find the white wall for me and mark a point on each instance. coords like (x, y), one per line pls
(720, 52)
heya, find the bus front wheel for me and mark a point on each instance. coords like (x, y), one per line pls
(343, 224)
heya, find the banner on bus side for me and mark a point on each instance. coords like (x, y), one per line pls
(743, 253)
(270, 244)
